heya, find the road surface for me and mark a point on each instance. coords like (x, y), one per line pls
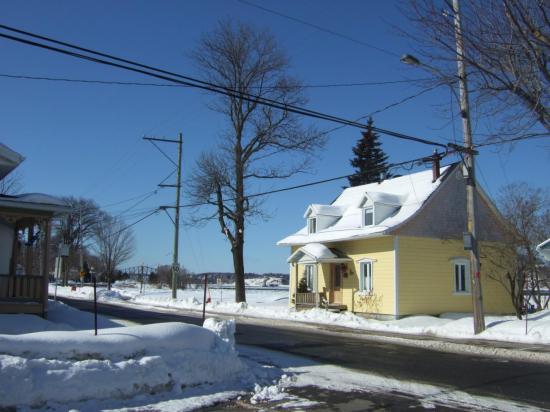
(524, 382)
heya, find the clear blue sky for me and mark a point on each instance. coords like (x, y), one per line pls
(85, 140)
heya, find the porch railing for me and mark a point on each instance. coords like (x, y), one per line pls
(306, 298)
(21, 288)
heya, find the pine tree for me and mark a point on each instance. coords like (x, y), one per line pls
(370, 161)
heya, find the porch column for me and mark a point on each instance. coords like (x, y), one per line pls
(296, 273)
(29, 250)
(44, 249)
(14, 249)
(316, 275)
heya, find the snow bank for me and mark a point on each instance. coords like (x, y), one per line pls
(118, 363)
(225, 329)
(274, 305)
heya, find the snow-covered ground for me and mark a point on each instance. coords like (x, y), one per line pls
(273, 304)
(56, 365)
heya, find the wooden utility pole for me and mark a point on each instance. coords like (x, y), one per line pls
(176, 220)
(475, 274)
(81, 270)
(175, 262)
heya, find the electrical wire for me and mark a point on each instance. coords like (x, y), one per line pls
(128, 83)
(126, 200)
(320, 28)
(200, 84)
(317, 182)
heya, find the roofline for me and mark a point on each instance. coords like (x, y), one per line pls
(371, 235)
(14, 203)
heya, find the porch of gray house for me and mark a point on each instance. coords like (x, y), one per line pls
(24, 289)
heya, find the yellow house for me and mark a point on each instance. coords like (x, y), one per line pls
(395, 248)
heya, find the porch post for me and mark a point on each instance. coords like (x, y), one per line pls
(29, 249)
(317, 300)
(44, 249)
(296, 273)
(14, 249)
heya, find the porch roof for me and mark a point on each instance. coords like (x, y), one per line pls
(319, 253)
(33, 202)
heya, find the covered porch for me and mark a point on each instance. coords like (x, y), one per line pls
(25, 230)
(318, 277)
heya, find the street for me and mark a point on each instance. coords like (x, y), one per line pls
(477, 375)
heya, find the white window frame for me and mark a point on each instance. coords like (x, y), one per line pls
(310, 276)
(312, 222)
(461, 286)
(365, 210)
(366, 275)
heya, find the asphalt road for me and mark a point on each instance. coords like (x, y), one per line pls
(478, 375)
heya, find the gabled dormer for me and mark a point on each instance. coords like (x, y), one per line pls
(320, 217)
(377, 206)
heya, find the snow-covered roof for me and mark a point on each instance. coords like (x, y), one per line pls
(318, 253)
(9, 160)
(36, 202)
(324, 210)
(384, 198)
(406, 193)
(544, 249)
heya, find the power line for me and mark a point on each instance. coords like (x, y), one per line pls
(317, 182)
(320, 28)
(200, 84)
(128, 83)
(126, 200)
(332, 179)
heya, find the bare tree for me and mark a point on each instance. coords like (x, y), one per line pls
(507, 47)
(84, 216)
(527, 212)
(114, 244)
(11, 184)
(259, 142)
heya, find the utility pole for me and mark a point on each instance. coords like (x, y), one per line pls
(475, 274)
(81, 274)
(175, 263)
(176, 220)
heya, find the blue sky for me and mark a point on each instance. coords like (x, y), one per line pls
(85, 140)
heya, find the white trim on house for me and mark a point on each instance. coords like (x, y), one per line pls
(457, 282)
(396, 274)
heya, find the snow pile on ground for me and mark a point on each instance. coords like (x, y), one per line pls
(274, 305)
(119, 363)
(225, 329)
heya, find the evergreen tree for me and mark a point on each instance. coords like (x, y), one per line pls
(370, 161)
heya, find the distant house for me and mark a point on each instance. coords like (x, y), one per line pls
(394, 248)
(544, 249)
(25, 227)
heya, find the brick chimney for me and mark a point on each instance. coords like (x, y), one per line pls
(436, 172)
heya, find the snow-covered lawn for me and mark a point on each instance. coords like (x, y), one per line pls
(273, 304)
(57, 365)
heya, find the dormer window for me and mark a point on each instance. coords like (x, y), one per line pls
(312, 225)
(368, 216)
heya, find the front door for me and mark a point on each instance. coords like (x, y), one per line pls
(336, 284)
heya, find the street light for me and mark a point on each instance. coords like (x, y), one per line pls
(470, 235)
(410, 59)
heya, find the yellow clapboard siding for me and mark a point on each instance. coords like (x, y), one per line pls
(426, 279)
(379, 249)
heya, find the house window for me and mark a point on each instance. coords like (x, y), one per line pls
(310, 270)
(368, 216)
(312, 225)
(462, 276)
(365, 279)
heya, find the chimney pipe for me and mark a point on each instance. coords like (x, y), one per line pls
(436, 172)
